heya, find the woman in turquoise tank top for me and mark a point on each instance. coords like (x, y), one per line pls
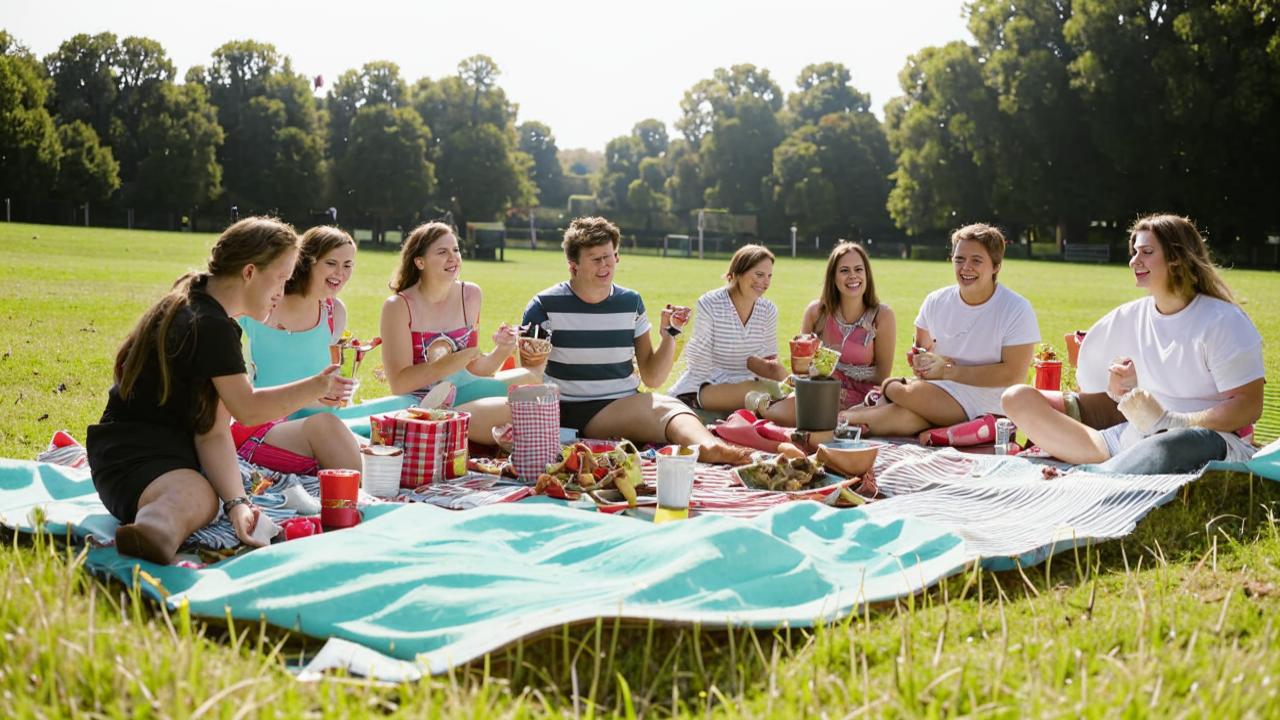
(294, 341)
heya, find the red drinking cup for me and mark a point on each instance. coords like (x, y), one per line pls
(1049, 375)
(338, 491)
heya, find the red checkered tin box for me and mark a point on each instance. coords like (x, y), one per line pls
(434, 442)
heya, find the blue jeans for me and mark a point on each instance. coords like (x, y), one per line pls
(1177, 451)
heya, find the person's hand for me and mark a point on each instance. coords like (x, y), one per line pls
(1122, 377)
(761, 367)
(506, 337)
(929, 365)
(530, 354)
(676, 316)
(335, 389)
(244, 518)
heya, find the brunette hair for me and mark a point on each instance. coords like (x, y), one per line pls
(415, 246)
(830, 301)
(747, 257)
(589, 232)
(1191, 271)
(256, 241)
(316, 243)
(989, 236)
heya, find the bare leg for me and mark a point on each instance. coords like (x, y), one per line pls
(486, 414)
(916, 406)
(654, 418)
(730, 396)
(520, 376)
(322, 436)
(1057, 434)
(172, 507)
(783, 412)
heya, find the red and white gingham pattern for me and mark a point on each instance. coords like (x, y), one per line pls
(433, 449)
(535, 430)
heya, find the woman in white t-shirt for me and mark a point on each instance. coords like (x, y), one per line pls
(734, 349)
(1184, 364)
(974, 339)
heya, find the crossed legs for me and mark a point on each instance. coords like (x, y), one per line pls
(172, 507)
(916, 405)
(650, 417)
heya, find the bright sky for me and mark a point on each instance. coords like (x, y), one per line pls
(588, 68)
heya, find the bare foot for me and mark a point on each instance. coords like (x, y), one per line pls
(719, 451)
(144, 542)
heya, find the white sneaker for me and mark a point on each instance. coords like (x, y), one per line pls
(439, 397)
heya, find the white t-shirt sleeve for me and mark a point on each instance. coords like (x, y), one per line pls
(1234, 351)
(1096, 353)
(926, 309)
(1021, 327)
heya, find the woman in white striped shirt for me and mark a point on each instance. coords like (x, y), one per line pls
(734, 349)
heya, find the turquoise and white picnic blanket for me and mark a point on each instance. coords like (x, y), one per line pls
(416, 588)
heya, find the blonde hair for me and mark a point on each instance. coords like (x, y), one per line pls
(1191, 271)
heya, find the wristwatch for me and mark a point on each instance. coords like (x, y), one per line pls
(228, 504)
(673, 331)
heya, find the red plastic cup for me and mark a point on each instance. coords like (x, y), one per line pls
(339, 489)
(1049, 375)
(1073, 340)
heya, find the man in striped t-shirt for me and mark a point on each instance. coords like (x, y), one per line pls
(599, 337)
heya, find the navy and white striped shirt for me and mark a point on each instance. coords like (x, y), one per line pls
(592, 344)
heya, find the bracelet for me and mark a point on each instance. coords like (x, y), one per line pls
(241, 500)
(672, 330)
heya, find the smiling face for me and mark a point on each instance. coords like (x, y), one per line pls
(755, 281)
(973, 266)
(851, 275)
(1149, 265)
(595, 266)
(332, 271)
(442, 261)
(264, 284)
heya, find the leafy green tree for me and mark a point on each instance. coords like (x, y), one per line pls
(480, 167)
(385, 171)
(29, 150)
(83, 74)
(86, 170)
(181, 130)
(825, 88)
(652, 135)
(732, 121)
(937, 130)
(622, 157)
(684, 183)
(273, 155)
(537, 141)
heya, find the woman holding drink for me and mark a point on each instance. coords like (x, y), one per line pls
(294, 342)
(430, 347)
(850, 320)
(162, 455)
(973, 340)
(1168, 382)
(734, 348)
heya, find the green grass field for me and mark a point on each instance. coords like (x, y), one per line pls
(1177, 619)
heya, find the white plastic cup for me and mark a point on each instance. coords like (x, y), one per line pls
(382, 474)
(675, 480)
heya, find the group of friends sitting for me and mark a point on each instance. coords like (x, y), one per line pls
(1167, 382)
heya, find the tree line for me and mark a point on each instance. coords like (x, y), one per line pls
(1056, 116)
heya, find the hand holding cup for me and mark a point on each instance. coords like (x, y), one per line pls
(676, 316)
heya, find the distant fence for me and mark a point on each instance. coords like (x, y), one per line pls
(1076, 252)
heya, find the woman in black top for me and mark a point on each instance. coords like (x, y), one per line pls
(162, 454)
